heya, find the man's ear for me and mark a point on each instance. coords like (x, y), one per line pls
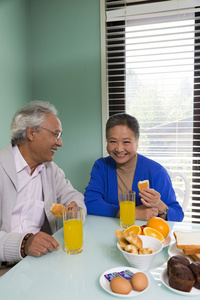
(29, 133)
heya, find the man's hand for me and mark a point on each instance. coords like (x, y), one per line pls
(40, 243)
(72, 205)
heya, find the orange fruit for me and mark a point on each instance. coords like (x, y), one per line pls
(160, 225)
(142, 227)
(136, 229)
(154, 233)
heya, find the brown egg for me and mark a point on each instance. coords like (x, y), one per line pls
(139, 281)
(120, 285)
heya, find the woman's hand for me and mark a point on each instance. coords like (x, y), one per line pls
(143, 212)
(150, 197)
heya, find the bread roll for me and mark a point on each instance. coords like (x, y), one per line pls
(120, 238)
(133, 239)
(144, 251)
(142, 185)
(131, 249)
(57, 209)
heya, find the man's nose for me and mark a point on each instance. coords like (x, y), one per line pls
(59, 142)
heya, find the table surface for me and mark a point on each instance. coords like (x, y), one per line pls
(59, 275)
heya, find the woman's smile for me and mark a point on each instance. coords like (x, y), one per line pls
(121, 144)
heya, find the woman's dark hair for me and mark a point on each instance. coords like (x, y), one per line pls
(124, 119)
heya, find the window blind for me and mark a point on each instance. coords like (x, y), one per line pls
(152, 71)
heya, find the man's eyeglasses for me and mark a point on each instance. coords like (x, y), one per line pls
(57, 133)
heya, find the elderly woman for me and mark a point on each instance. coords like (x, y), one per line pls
(123, 169)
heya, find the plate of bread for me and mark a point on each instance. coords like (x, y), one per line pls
(173, 250)
(187, 244)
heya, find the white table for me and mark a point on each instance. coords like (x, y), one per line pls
(59, 275)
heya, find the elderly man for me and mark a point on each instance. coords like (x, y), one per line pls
(30, 182)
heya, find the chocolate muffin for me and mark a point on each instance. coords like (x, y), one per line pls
(195, 268)
(177, 259)
(181, 277)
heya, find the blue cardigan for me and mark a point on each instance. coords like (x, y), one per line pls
(101, 195)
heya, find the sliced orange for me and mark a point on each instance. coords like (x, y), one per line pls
(136, 229)
(154, 233)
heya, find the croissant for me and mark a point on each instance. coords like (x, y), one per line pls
(131, 249)
(146, 250)
(133, 239)
(120, 238)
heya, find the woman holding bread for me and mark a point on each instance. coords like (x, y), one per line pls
(123, 169)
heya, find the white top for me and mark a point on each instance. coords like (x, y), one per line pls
(28, 214)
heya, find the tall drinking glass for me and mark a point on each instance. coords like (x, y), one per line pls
(127, 208)
(73, 230)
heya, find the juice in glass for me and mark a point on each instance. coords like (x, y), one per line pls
(73, 236)
(73, 230)
(127, 208)
(127, 213)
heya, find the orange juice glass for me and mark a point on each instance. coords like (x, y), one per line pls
(127, 208)
(73, 230)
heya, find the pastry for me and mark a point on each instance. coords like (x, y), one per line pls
(120, 238)
(177, 259)
(195, 268)
(142, 185)
(131, 243)
(181, 277)
(131, 249)
(133, 239)
(57, 209)
(145, 251)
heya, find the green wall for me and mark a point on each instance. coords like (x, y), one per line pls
(59, 42)
(14, 62)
